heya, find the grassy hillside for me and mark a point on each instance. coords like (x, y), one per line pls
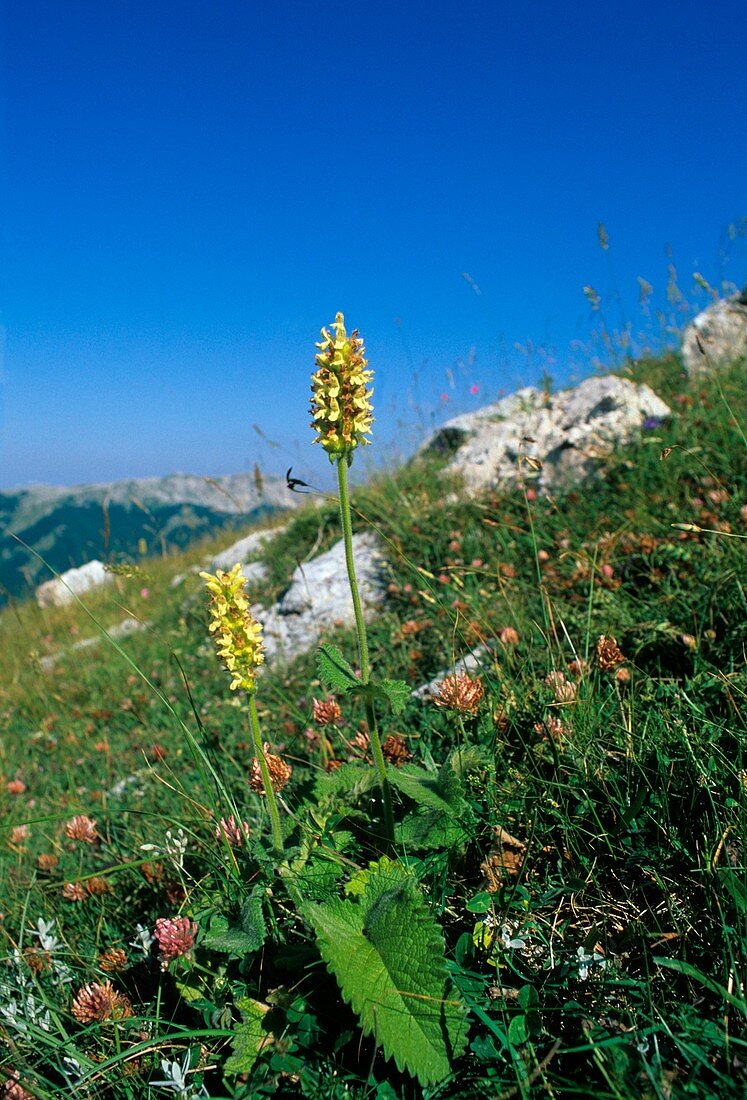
(563, 911)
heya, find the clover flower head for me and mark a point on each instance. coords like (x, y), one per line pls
(83, 828)
(280, 772)
(232, 832)
(460, 692)
(326, 712)
(608, 653)
(238, 636)
(176, 936)
(341, 409)
(97, 1002)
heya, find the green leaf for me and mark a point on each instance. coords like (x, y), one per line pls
(243, 938)
(430, 829)
(189, 993)
(387, 954)
(395, 692)
(249, 1036)
(423, 787)
(334, 670)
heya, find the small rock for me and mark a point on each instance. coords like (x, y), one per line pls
(319, 599)
(717, 337)
(63, 589)
(245, 550)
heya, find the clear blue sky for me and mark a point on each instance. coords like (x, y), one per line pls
(190, 190)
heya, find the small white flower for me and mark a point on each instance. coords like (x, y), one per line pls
(43, 932)
(143, 939)
(586, 962)
(509, 943)
(176, 846)
(175, 1079)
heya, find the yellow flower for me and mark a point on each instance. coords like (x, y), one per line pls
(238, 636)
(341, 397)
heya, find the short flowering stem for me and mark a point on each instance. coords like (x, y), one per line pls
(373, 732)
(259, 750)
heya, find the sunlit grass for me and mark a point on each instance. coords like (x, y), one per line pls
(578, 832)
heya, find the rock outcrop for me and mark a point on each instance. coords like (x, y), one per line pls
(245, 552)
(717, 337)
(63, 589)
(318, 598)
(553, 440)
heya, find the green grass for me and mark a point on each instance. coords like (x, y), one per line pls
(600, 951)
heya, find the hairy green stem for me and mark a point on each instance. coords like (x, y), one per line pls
(373, 732)
(259, 750)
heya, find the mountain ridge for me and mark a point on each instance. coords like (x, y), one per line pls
(69, 525)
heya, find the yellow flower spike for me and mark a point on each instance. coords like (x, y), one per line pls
(341, 409)
(238, 636)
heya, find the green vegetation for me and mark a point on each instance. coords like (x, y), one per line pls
(563, 910)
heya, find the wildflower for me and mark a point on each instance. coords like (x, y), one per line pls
(608, 653)
(47, 861)
(73, 891)
(143, 939)
(95, 1003)
(83, 828)
(460, 692)
(556, 728)
(176, 936)
(232, 832)
(586, 961)
(280, 772)
(327, 711)
(12, 1089)
(238, 636)
(395, 749)
(96, 886)
(18, 834)
(175, 1079)
(341, 398)
(37, 960)
(43, 932)
(112, 960)
(508, 636)
(15, 786)
(563, 690)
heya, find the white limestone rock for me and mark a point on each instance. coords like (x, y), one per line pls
(717, 337)
(318, 598)
(551, 441)
(245, 550)
(75, 582)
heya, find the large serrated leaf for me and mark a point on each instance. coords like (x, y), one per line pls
(334, 670)
(249, 1036)
(387, 954)
(243, 938)
(431, 829)
(395, 692)
(427, 789)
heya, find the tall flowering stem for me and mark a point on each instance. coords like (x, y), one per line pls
(238, 637)
(342, 415)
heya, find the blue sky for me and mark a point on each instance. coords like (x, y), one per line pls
(190, 190)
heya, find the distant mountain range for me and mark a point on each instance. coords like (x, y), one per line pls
(70, 525)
